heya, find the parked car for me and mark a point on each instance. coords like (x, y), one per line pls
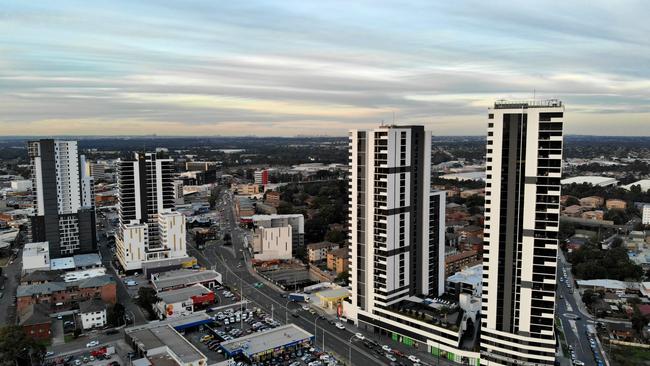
(92, 344)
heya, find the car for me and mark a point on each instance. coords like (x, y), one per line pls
(77, 362)
(49, 353)
(360, 336)
(305, 308)
(91, 358)
(414, 359)
(390, 357)
(92, 344)
(340, 326)
(386, 348)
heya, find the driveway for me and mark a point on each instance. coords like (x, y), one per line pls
(58, 337)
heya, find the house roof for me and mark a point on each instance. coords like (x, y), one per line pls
(51, 287)
(92, 306)
(321, 245)
(35, 314)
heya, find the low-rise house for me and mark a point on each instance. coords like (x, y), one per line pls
(318, 251)
(180, 278)
(592, 201)
(92, 314)
(36, 322)
(573, 211)
(615, 204)
(593, 215)
(61, 294)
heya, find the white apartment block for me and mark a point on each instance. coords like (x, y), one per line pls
(149, 230)
(522, 208)
(272, 243)
(36, 256)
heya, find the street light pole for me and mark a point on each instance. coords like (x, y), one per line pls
(350, 349)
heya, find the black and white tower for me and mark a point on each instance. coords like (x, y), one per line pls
(522, 209)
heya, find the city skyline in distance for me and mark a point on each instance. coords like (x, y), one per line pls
(281, 69)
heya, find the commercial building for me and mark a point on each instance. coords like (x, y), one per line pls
(269, 344)
(296, 221)
(184, 278)
(317, 252)
(397, 242)
(273, 198)
(261, 177)
(92, 314)
(467, 281)
(248, 189)
(202, 165)
(21, 185)
(244, 207)
(272, 243)
(183, 301)
(36, 256)
(522, 205)
(162, 344)
(645, 214)
(149, 230)
(63, 199)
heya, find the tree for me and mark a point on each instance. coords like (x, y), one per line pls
(588, 297)
(115, 315)
(343, 278)
(570, 201)
(147, 298)
(335, 236)
(16, 348)
(639, 321)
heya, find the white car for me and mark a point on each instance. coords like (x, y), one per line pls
(360, 336)
(386, 348)
(92, 344)
(340, 326)
(305, 308)
(391, 357)
(414, 359)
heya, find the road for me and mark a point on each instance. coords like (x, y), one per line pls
(237, 274)
(574, 316)
(11, 281)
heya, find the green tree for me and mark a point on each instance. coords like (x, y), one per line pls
(343, 278)
(335, 236)
(17, 348)
(115, 315)
(147, 298)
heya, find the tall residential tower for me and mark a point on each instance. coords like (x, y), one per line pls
(522, 209)
(397, 232)
(63, 198)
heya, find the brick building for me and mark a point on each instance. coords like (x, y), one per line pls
(459, 261)
(67, 294)
(273, 198)
(36, 322)
(338, 260)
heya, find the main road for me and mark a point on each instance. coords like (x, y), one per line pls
(238, 275)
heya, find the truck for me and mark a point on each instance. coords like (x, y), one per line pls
(103, 351)
(298, 297)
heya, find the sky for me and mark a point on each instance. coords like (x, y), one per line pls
(287, 68)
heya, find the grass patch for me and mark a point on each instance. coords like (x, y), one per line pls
(629, 356)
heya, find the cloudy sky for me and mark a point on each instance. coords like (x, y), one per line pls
(316, 67)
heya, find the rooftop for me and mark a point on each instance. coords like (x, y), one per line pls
(35, 314)
(321, 245)
(87, 260)
(92, 306)
(164, 335)
(51, 287)
(472, 275)
(182, 294)
(255, 343)
(593, 180)
(183, 277)
(510, 104)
